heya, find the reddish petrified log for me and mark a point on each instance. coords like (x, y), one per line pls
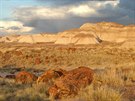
(69, 84)
(24, 77)
(50, 75)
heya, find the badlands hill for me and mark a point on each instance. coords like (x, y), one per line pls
(88, 33)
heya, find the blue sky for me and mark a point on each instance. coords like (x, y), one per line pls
(37, 16)
(7, 6)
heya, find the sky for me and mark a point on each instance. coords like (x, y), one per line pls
(38, 16)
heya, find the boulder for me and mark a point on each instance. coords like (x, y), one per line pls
(69, 84)
(24, 77)
(50, 75)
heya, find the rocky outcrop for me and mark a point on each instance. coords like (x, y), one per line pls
(112, 32)
(69, 84)
(24, 77)
(89, 33)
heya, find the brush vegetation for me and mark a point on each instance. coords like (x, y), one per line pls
(114, 68)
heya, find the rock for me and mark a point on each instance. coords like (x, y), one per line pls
(17, 53)
(37, 61)
(69, 84)
(10, 76)
(24, 77)
(50, 75)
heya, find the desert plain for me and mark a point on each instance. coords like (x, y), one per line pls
(106, 48)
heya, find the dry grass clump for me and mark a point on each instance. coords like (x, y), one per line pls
(34, 93)
(110, 78)
(10, 91)
(107, 86)
(7, 89)
(103, 93)
(128, 76)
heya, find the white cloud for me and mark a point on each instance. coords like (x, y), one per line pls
(12, 27)
(29, 13)
(49, 13)
(91, 9)
(82, 11)
(88, 9)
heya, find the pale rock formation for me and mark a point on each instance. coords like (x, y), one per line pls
(77, 37)
(88, 33)
(128, 44)
(10, 38)
(63, 40)
(112, 32)
(26, 39)
(85, 39)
